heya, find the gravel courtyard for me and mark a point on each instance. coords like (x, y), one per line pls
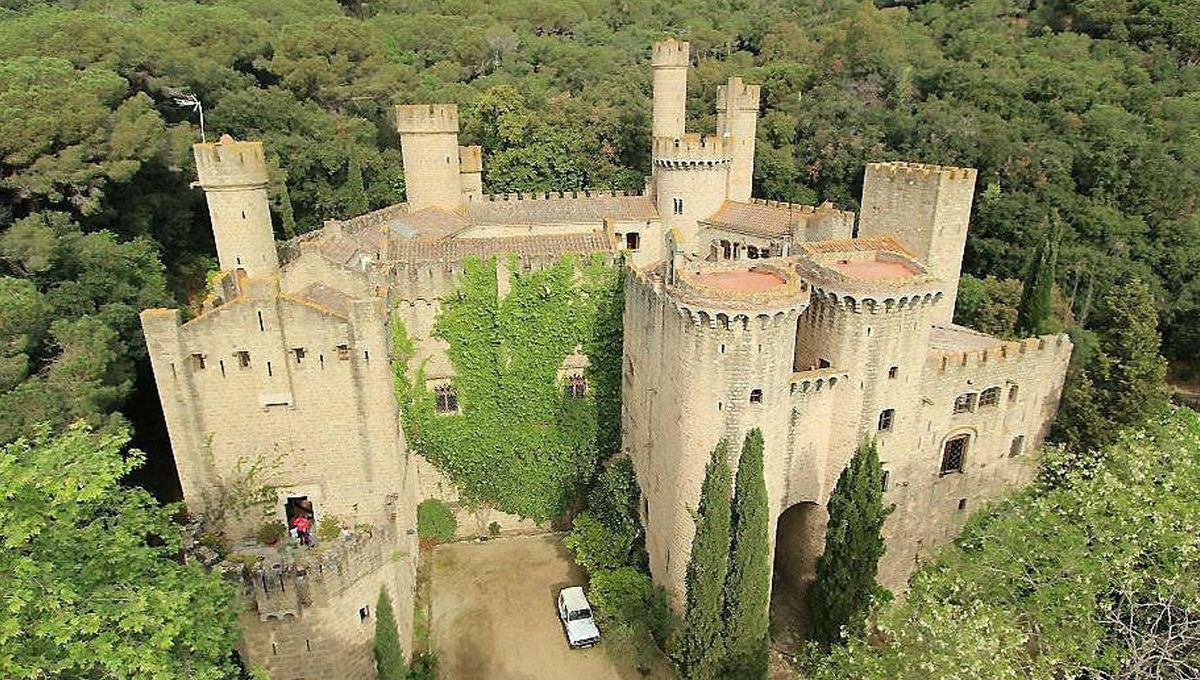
(493, 613)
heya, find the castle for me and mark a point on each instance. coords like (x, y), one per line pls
(818, 327)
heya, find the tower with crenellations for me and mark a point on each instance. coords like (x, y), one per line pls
(739, 313)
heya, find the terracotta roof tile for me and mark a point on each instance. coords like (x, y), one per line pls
(757, 219)
(453, 250)
(885, 243)
(325, 298)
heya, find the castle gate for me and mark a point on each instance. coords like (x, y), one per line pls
(799, 540)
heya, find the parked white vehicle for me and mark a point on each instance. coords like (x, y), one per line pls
(576, 615)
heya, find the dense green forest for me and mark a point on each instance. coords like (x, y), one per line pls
(1081, 116)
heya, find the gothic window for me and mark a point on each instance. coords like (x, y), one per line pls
(633, 240)
(886, 417)
(1012, 393)
(447, 399)
(756, 396)
(964, 402)
(1017, 447)
(752, 252)
(243, 358)
(954, 454)
(989, 397)
(576, 386)
(726, 250)
(678, 206)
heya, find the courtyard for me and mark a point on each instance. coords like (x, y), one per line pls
(492, 613)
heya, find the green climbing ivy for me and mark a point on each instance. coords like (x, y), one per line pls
(518, 442)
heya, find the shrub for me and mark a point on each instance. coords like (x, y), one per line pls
(494, 528)
(329, 527)
(271, 532)
(595, 546)
(435, 520)
(424, 667)
(633, 612)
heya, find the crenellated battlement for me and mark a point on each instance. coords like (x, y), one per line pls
(1025, 350)
(738, 96)
(426, 118)
(230, 164)
(922, 171)
(670, 53)
(692, 150)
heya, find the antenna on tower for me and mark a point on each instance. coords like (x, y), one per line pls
(191, 101)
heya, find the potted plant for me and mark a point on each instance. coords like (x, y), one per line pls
(271, 532)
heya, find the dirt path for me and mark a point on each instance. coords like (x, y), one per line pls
(493, 613)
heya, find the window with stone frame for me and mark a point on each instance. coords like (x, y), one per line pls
(954, 454)
(576, 386)
(886, 418)
(756, 396)
(446, 399)
(964, 402)
(990, 397)
(633, 240)
(243, 358)
(198, 363)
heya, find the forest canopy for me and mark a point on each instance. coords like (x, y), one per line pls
(1080, 114)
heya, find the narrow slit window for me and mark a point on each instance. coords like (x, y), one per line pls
(1012, 393)
(222, 364)
(366, 355)
(677, 206)
(261, 325)
(962, 504)
(364, 613)
(885, 480)
(269, 371)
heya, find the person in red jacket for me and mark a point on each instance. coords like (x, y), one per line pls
(303, 526)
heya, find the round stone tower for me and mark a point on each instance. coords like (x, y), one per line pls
(669, 60)
(690, 178)
(429, 144)
(708, 350)
(233, 175)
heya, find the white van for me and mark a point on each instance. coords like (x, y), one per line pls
(576, 616)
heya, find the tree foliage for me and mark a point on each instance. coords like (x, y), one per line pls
(1035, 313)
(90, 572)
(389, 653)
(702, 645)
(748, 586)
(1091, 577)
(845, 584)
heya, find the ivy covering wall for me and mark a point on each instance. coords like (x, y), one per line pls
(518, 441)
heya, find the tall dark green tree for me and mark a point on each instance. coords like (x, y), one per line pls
(1129, 371)
(389, 654)
(703, 644)
(1035, 313)
(355, 192)
(748, 587)
(841, 595)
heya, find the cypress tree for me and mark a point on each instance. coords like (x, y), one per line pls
(748, 588)
(389, 655)
(841, 594)
(1129, 371)
(702, 647)
(1034, 315)
(286, 213)
(355, 193)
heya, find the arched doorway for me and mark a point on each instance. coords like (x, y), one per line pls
(799, 540)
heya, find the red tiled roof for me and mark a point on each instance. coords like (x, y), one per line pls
(453, 250)
(757, 219)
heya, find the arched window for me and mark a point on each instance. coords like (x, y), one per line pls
(576, 386)
(726, 250)
(954, 454)
(989, 397)
(447, 399)
(964, 402)
(752, 252)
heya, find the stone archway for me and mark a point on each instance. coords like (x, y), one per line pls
(799, 540)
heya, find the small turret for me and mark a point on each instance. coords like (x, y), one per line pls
(669, 61)
(234, 177)
(737, 117)
(429, 143)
